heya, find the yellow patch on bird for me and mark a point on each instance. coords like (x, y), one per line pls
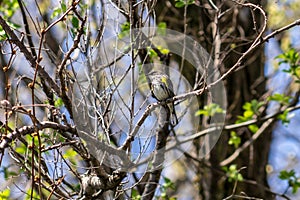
(164, 80)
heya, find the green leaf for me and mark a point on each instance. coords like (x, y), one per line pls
(182, 3)
(241, 119)
(135, 195)
(125, 28)
(285, 175)
(248, 114)
(253, 106)
(75, 22)
(280, 98)
(179, 4)
(256, 105)
(151, 53)
(8, 8)
(294, 189)
(12, 25)
(210, 110)
(162, 25)
(56, 11)
(168, 183)
(292, 179)
(286, 70)
(162, 28)
(284, 117)
(253, 128)
(21, 149)
(5, 194)
(234, 139)
(233, 173)
(239, 177)
(2, 34)
(58, 102)
(292, 58)
(70, 154)
(63, 6)
(252, 109)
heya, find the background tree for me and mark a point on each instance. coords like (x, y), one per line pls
(78, 120)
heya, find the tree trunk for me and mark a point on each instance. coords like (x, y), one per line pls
(242, 86)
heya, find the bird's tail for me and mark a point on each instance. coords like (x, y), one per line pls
(173, 117)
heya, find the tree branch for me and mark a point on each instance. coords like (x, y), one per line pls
(33, 61)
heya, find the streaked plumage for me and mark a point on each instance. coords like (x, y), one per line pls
(162, 89)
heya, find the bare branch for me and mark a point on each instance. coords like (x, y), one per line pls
(33, 61)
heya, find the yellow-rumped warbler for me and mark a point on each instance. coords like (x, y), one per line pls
(162, 89)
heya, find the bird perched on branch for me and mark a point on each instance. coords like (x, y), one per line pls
(162, 89)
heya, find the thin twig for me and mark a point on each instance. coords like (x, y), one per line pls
(29, 57)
